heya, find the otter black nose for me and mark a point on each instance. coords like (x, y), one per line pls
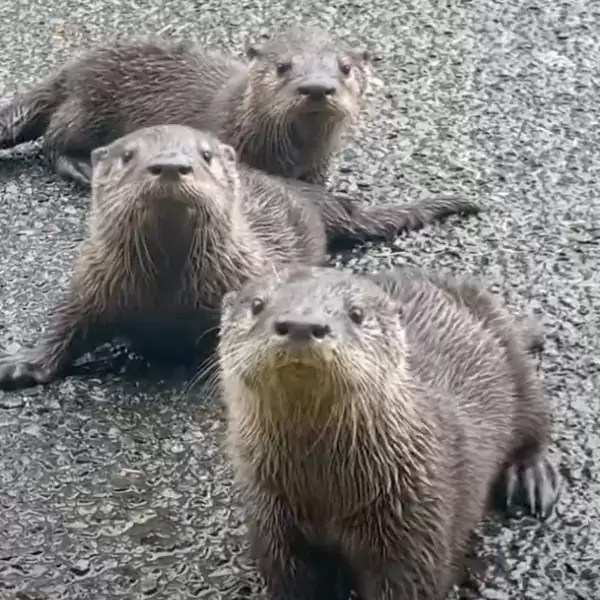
(170, 166)
(302, 330)
(316, 91)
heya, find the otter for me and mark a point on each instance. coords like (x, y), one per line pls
(370, 421)
(176, 220)
(285, 108)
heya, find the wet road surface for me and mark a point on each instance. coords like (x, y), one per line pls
(113, 488)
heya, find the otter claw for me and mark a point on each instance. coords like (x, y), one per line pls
(535, 487)
(17, 372)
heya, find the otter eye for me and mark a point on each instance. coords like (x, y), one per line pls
(345, 68)
(257, 306)
(126, 156)
(207, 156)
(283, 67)
(356, 315)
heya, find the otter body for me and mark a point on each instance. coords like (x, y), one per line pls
(370, 420)
(284, 109)
(173, 225)
(176, 221)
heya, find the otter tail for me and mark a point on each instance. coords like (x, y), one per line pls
(25, 117)
(347, 221)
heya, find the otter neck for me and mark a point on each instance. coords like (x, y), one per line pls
(166, 242)
(190, 258)
(337, 456)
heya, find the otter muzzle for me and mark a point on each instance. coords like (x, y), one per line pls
(170, 166)
(301, 331)
(317, 89)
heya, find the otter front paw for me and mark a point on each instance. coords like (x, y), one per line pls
(312, 577)
(19, 370)
(534, 487)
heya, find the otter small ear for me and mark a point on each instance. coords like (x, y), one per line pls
(364, 55)
(97, 155)
(252, 51)
(229, 153)
(228, 300)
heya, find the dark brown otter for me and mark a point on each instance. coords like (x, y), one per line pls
(284, 110)
(176, 221)
(369, 423)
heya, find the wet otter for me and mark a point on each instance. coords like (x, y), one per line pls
(369, 423)
(284, 109)
(175, 222)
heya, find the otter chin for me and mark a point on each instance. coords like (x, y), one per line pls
(297, 365)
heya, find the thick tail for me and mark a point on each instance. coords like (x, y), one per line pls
(350, 221)
(26, 117)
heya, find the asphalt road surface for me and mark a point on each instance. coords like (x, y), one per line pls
(118, 488)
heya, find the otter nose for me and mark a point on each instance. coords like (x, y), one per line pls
(170, 166)
(302, 330)
(316, 90)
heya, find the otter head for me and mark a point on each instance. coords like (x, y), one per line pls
(159, 179)
(303, 79)
(310, 339)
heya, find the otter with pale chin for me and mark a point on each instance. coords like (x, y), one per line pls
(370, 421)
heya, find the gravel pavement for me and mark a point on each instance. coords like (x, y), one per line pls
(118, 488)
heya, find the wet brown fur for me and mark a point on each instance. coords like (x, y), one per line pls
(158, 259)
(366, 460)
(114, 90)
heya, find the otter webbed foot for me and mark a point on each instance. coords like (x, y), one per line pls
(534, 487)
(21, 370)
(77, 170)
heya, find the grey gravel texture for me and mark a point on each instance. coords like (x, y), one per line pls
(118, 488)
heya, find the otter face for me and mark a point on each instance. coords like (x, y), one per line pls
(162, 169)
(318, 321)
(304, 73)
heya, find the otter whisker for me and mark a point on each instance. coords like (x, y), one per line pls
(206, 370)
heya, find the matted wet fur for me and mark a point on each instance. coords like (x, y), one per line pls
(163, 248)
(285, 109)
(370, 418)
